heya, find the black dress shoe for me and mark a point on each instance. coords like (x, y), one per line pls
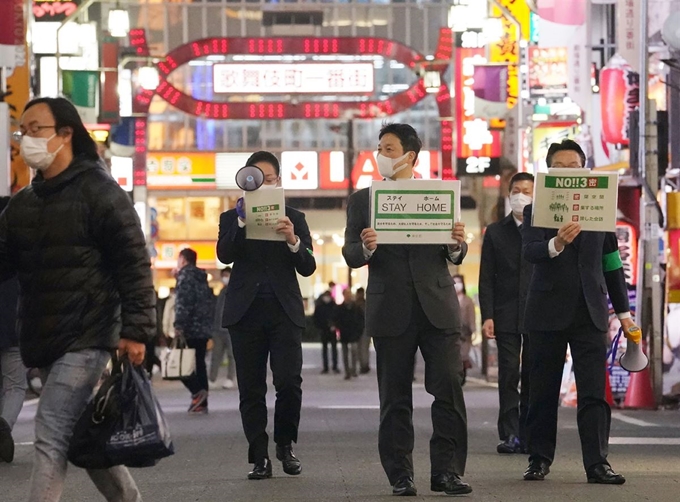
(603, 474)
(404, 487)
(456, 486)
(510, 445)
(291, 464)
(438, 482)
(6, 442)
(537, 470)
(262, 469)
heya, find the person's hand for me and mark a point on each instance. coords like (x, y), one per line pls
(241, 208)
(285, 227)
(134, 350)
(567, 234)
(631, 331)
(487, 329)
(458, 234)
(370, 239)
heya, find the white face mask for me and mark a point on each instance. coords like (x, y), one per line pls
(268, 187)
(34, 152)
(518, 201)
(386, 165)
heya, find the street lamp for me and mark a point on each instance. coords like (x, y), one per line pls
(148, 78)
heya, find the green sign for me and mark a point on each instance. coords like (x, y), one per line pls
(576, 182)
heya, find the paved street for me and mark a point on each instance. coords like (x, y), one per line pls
(338, 448)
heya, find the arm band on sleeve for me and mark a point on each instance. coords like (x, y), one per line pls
(611, 261)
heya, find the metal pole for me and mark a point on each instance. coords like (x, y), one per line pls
(349, 165)
(642, 160)
(5, 163)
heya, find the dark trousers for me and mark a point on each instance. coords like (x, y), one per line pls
(513, 404)
(593, 415)
(394, 360)
(329, 337)
(199, 380)
(266, 331)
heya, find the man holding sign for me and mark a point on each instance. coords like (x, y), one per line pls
(411, 303)
(567, 304)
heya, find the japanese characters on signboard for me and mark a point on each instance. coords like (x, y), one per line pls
(478, 148)
(414, 212)
(628, 31)
(576, 195)
(547, 134)
(194, 170)
(318, 78)
(548, 72)
(54, 10)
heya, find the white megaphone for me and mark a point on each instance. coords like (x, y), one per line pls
(634, 359)
(249, 178)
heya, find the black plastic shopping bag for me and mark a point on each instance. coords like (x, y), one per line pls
(122, 425)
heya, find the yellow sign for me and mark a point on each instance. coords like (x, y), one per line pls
(507, 50)
(18, 89)
(172, 170)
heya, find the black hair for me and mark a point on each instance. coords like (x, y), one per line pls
(361, 289)
(225, 270)
(66, 115)
(462, 280)
(3, 203)
(189, 255)
(521, 177)
(566, 145)
(263, 156)
(408, 137)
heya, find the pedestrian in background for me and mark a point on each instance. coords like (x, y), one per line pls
(364, 340)
(410, 305)
(324, 320)
(13, 381)
(350, 323)
(222, 340)
(194, 315)
(76, 243)
(468, 322)
(265, 315)
(504, 277)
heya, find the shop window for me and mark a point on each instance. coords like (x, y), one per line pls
(172, 224)
(203, 217)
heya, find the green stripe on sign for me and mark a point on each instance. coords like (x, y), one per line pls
(577, 182)
(611, 261)
(203, 180)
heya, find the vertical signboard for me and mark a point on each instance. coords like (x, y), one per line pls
(628, 13)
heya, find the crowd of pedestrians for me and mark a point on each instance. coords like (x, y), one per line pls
(75, 280)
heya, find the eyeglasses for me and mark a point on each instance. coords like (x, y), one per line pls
(270, 180)
(33, 129)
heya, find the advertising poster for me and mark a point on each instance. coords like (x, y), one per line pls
(414, 211)
(264, 208)
(576, 195)
(548, 72)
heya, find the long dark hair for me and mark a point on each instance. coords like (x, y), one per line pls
(66, 115)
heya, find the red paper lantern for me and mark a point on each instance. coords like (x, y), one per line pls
(619, 96)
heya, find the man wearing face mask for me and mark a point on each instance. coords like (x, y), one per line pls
(75, 241)
(222, 340)
(264, 313)
(410, 304)
(503, 281)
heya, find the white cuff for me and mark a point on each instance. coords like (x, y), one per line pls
(551, 249)
(241, 223)
(295, 247)
(623, 315)
(453, 255)
(367, 252)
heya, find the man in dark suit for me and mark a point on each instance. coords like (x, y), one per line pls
(411, 303)
(265, 316)
(503, 281)
(567, 304)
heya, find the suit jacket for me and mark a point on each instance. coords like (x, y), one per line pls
(557, 284)
(503, 276)
(394, 271)
(256, 261)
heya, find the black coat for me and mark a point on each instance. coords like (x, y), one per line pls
(503, 277)
(76, 242)
(349, 319)
(9, 298)
(558, 283)
(194, 304)
(257, 261)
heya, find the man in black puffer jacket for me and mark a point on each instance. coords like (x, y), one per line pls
(74, 239)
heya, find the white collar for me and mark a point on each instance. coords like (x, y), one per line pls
(517, 222)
